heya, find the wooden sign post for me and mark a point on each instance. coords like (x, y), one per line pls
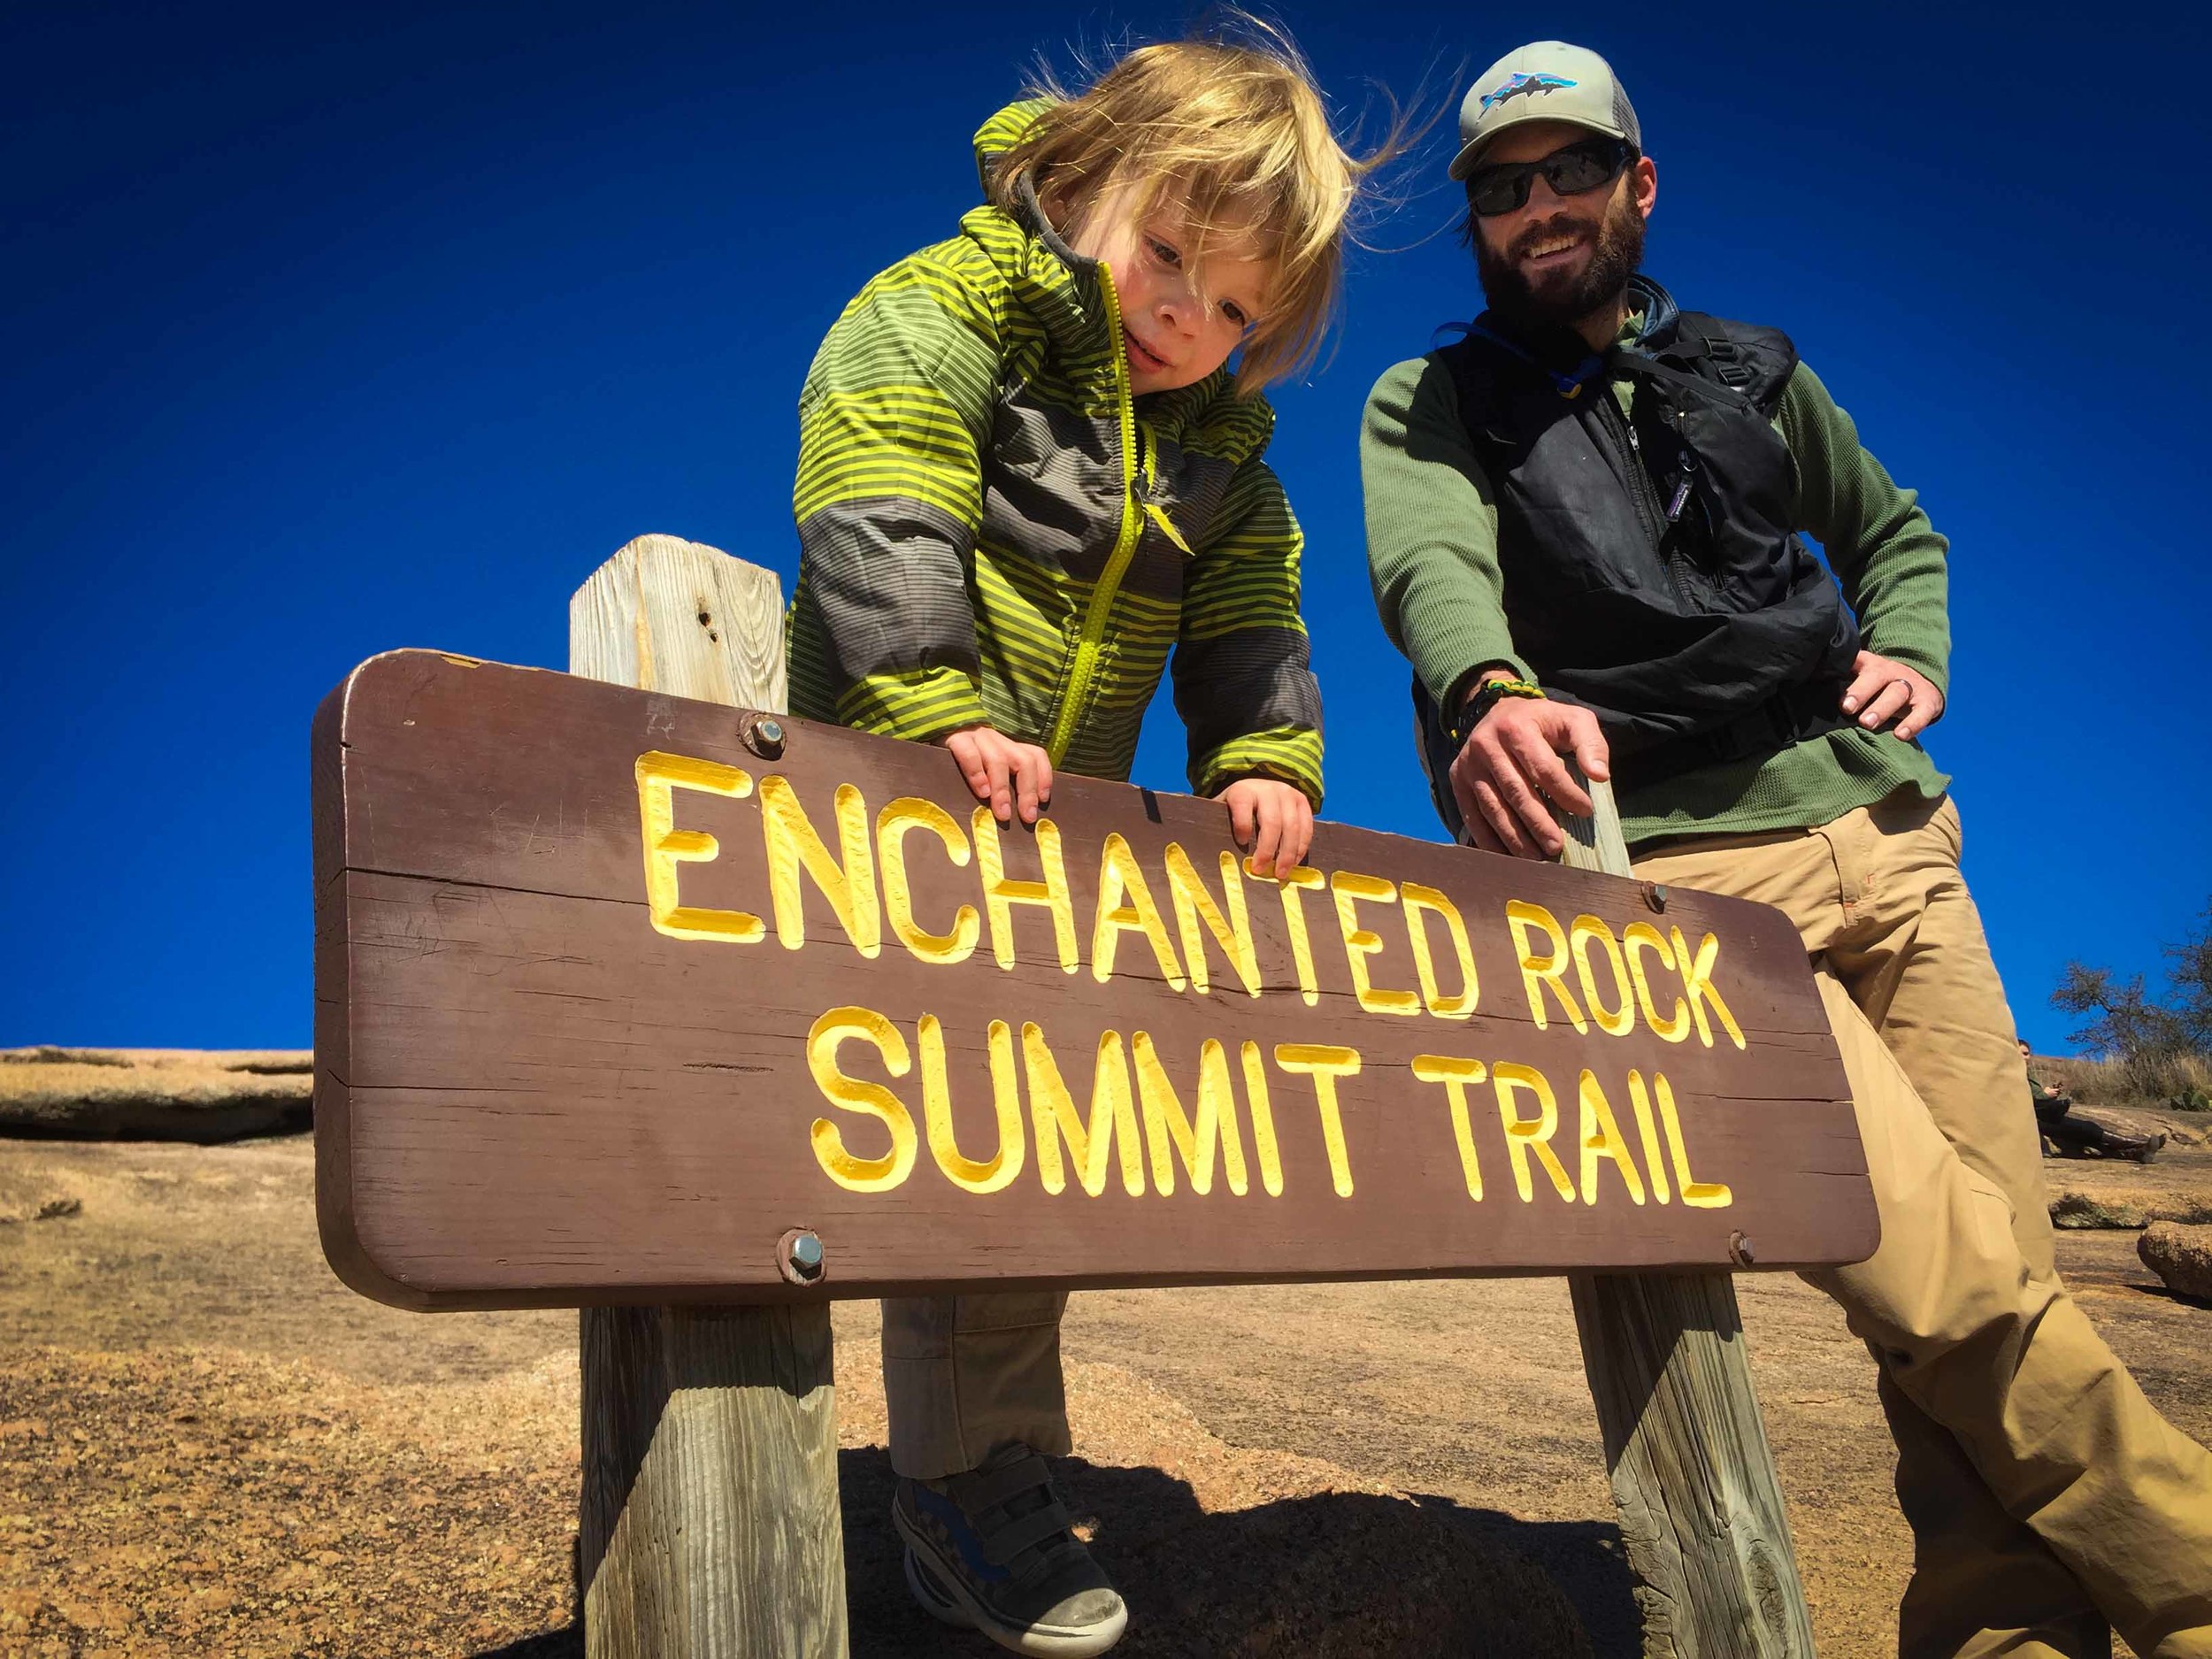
(1701, 1513)
(710, 1522)
(633, 999)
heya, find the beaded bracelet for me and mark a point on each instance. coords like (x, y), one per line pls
(1488, 696)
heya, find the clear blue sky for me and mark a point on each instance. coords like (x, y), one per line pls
(333, 329)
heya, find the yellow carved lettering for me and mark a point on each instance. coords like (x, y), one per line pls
(1697, 981)
(1583, 932)
(1648, 1131)
(1456, 1074)
(1422, 901)
(1602, 1139)
(1295, 924)
(1167, 1130)
(1264, 1144)
(794, 845)
(1230, 922)
(1002, 894)
(1637, 937)
(859, 1174)
(1359, 944)
(965, 1172)
(910, 812)
(1054, 1118)
(1538, 971)
(1120, 878)
(1696, 1193)
(658, 778)
(1526, 1135)
(1324, 1063)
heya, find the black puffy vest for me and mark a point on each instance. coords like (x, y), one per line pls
(1650, 569)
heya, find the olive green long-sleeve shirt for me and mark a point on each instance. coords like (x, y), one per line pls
(1432, 555)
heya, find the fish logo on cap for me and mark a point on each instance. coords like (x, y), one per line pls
(1519, 85)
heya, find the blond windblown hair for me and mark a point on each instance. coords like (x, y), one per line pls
(1232, 134)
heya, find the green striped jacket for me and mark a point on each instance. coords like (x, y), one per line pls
(992, 529)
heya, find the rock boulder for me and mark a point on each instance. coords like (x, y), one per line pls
(2181, 1255)
(155, 1093)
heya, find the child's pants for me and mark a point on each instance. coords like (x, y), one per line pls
(962, 1373)
(2045, 1493)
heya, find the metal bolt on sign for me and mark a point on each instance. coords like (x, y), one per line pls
(799, 1254)
(762, 733)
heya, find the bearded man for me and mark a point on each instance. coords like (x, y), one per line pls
(1583, 524)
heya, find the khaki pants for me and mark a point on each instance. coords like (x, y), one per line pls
(2045, 1494)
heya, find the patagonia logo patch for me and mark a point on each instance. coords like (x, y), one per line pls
(1519, 85)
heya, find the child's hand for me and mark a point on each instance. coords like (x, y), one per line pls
(1005, 775)
(1271, 821)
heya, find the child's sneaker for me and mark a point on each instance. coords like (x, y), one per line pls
(996, 1551)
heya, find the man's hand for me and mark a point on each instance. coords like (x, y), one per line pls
(1272, 821)
(1006, 776)
(1883, 689)
(1509, 775)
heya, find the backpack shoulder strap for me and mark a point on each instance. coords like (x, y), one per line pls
(1745, 358)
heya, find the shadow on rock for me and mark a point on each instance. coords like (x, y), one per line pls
(1325, 1577)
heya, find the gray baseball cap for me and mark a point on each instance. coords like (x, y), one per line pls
(1546, 81)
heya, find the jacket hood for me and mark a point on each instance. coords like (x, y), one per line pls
(993, 140)
(1648, 296)
(1001, 132)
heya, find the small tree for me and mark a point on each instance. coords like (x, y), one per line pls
(2190, 976)
(2162, 1048)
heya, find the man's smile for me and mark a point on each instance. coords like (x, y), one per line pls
(1554, 249)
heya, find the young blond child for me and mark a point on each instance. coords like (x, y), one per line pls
(1025, 473)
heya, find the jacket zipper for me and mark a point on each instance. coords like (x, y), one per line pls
(1135, 487)
(1650, 513)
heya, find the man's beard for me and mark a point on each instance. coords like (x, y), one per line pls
(1557, 297)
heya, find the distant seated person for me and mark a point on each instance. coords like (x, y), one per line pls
(2071, 1136)
(2049, 1107)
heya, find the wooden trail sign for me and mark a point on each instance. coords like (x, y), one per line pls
(618, 993)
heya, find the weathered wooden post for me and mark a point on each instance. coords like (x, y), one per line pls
(710, 1525)
(1700, 1504)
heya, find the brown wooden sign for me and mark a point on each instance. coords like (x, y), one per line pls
(615, 992)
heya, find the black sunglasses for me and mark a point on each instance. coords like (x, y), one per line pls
(1580, 166)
